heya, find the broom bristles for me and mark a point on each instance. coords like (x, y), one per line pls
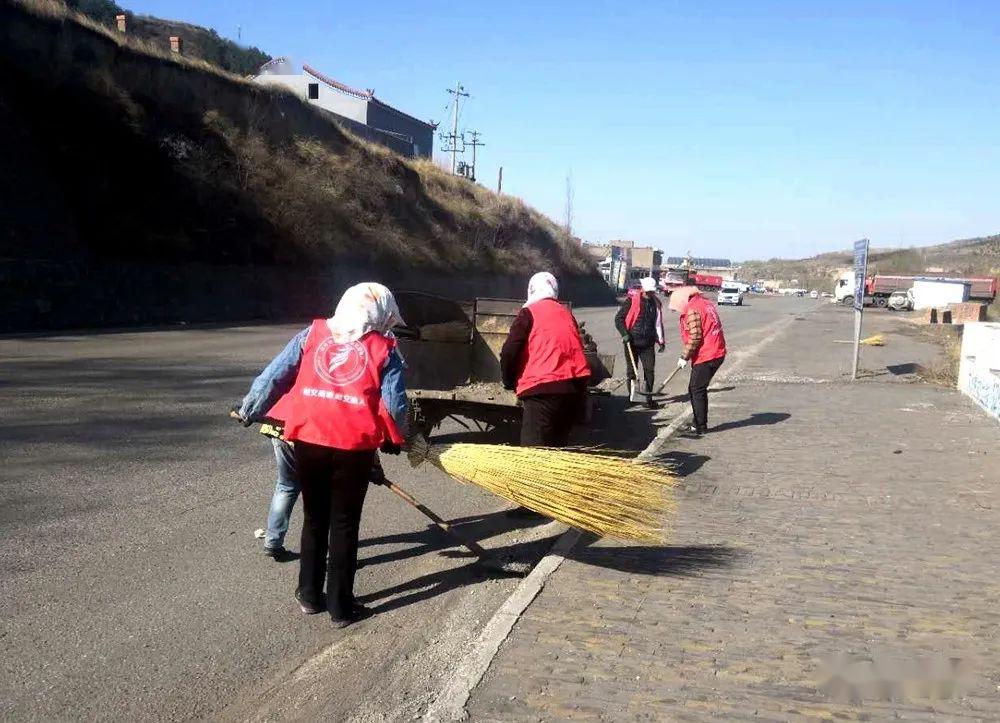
(608, 495)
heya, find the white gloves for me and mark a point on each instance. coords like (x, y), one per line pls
(681, 363)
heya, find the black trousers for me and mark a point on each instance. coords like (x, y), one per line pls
(334, 483)
(548, 419)
(701, 377)
(646, 357)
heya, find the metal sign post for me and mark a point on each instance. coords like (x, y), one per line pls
(860, 272)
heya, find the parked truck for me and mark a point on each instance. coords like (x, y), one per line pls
(671, 279)
(879, 288)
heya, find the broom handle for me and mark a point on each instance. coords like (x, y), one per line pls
(667, 380)
(416, 504)
(444, 526)
(631, 358)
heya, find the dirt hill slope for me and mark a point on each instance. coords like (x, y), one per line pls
(965, 257)
(175, 184)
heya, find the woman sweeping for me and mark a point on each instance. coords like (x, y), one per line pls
(543, 361)
(347, 401)
(704, 348)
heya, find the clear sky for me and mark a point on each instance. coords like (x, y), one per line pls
(739, 128)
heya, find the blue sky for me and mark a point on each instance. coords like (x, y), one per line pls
(739, 128)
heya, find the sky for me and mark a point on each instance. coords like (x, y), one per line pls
(728, 128)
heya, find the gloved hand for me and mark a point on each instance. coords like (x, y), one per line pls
(661, 348)
(390, 448)
(234, 412)
(378, 474)
(681, 363)
(626, 337)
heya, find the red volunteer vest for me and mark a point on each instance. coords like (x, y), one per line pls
(554, 352)
(713, 343)
(337, 397)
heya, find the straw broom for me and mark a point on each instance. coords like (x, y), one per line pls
(607, 495)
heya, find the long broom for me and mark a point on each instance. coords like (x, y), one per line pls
(607, 495)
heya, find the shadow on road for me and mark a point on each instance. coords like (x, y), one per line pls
(754, 420)
(684, 397)
(616, 425)
(476, 528)
(681, 464)
(433, 584)
(903, 369)
(660, 561)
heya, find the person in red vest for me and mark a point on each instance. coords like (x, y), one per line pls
(341, 400)
(640, 322)
(543, 361)
(704, 348)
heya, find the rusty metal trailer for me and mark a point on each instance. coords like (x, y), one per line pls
(452, 352)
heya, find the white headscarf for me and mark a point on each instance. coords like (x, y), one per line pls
(648, 283)
(543, 285)
(363, 308)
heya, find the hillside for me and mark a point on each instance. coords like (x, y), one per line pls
(152, 188)
(203, 43)
(965, 257)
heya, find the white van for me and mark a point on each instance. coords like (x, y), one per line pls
(730, 295)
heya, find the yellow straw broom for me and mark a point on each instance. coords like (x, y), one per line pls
(608, 495)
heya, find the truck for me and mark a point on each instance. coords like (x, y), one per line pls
(671, 279)
(879, 287)
(452, 352)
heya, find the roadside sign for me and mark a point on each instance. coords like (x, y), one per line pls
(860, 272)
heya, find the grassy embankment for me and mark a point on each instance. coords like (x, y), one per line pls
(173, 159)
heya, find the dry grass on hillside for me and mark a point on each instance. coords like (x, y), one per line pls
(365, 202)
(59, 11)
(298, 199)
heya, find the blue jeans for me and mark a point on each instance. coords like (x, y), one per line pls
(286, 491)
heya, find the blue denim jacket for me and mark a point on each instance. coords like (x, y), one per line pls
(278, 378)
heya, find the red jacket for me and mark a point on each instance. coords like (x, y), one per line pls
(336, 400)
(713, 344)
(554, 351)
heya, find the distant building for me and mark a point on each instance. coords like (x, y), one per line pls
(622, 263)
(358, 110)
(723, 268)
(699, 263)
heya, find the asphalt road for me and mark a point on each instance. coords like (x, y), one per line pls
(132, 587)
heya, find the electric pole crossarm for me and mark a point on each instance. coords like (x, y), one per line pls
(458, 92)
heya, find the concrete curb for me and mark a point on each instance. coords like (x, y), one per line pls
(450, 703)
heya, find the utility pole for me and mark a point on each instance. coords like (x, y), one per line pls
(500, 181)
(474, 143)
(458, 93)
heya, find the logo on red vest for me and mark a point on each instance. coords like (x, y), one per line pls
(340, 364)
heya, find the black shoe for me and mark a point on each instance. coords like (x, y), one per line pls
(692, 430)
(280, 554)
(309, 607)
(358, 612)
(651, 403)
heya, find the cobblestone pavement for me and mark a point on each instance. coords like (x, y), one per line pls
(834, 557)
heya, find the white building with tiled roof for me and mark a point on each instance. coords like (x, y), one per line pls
(359, 110)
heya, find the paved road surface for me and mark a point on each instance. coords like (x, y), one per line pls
(131, 584)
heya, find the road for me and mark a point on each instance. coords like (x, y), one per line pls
(132, 586)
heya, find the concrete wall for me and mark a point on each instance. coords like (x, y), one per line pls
(384, 118)
(979, 370)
